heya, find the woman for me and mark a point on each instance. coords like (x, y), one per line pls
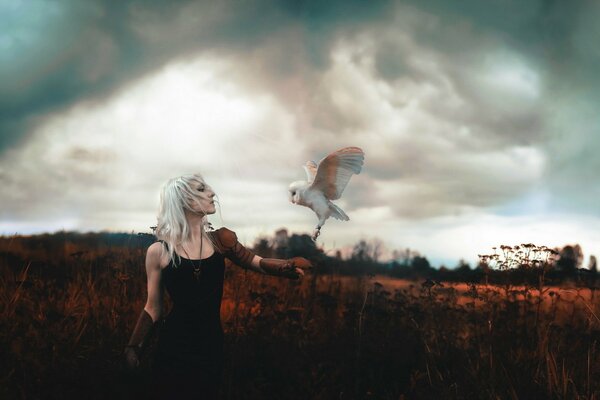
(188, 261)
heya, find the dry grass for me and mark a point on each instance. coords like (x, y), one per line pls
(66, 317)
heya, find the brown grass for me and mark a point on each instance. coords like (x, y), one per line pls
(65, 320)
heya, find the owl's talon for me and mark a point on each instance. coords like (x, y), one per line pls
(316, 234)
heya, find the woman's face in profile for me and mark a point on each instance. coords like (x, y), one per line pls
(204, 200)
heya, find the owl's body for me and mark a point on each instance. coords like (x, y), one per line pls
(326, 182)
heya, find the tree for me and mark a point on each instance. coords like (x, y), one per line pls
(404, 257)
(301, 245)
(463, 266)
(377, 248)
(570, 258)
(361, 251)
(593, 265)
(280, 242)
(263, 248)
(420, 264)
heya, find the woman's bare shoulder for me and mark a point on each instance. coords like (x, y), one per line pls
(157, 255)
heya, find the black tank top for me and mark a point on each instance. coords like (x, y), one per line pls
(191, 334)
(197, 296)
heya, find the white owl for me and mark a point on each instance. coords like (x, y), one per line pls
(326, 182)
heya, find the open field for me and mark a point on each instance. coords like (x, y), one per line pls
(563, 301)
(65, 320)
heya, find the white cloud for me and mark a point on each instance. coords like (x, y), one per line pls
(103, 162)
(425, 153)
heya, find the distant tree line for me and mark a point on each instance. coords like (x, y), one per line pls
(363, 259)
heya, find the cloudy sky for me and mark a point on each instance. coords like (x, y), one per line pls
(479, 120)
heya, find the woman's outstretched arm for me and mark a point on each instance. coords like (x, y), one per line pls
(234, 250)
(292, 268)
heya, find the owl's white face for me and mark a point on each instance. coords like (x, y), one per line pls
(293, 196)
(294, 193)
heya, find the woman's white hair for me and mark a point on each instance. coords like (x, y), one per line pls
(178, 195)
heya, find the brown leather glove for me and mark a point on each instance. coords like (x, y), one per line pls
(139, 339)
(285, 268)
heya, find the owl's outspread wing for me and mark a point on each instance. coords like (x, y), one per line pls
(335, 170)
(311, 170)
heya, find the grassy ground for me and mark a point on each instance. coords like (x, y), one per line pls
(65, 318)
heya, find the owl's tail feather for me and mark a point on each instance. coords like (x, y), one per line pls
(337, 212)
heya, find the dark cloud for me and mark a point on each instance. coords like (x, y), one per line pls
(558, 39)
(63, 52)
(476, 80)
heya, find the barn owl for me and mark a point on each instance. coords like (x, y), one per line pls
(326, 182)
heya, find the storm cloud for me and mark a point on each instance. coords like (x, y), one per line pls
(466, 111)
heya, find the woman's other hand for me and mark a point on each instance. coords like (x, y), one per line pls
(132, 361)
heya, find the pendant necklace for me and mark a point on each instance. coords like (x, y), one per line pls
(197, 269)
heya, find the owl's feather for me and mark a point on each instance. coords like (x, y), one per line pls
(311, 170)
(335, 170)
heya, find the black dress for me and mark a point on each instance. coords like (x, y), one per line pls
(188, 360)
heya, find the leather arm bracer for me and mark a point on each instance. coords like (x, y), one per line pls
(285, 268)
(139, 338)
(230, 247)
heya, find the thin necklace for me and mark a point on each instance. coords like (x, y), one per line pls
(198, 269)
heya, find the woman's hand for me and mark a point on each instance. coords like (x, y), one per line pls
(292, 268)
(291, 273)
(132, 361)
(295, 267)
(301, 262)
